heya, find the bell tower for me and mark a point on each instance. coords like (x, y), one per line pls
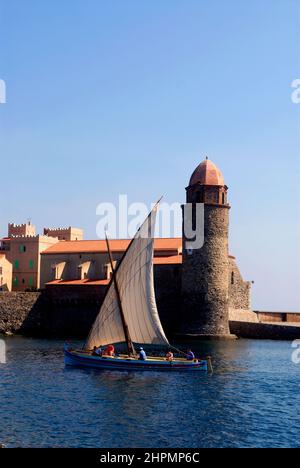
(205, 269)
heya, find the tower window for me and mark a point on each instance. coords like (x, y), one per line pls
(232, 277)
(199, 197)
(223, 198)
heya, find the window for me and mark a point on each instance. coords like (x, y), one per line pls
(30, 281)
(1, 271)
(22, 248)
(223, 198)
(15, 281)
(232, 277)
(17, 264)
(199, 197)
(31, 264)
(54, 272)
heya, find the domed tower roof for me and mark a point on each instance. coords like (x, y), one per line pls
(207, 173)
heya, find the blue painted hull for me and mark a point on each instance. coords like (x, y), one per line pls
(80, 359)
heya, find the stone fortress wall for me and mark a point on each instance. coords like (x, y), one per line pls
(70, 314)
(239, 291)
(204, 296)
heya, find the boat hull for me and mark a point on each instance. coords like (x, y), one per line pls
(80, 359)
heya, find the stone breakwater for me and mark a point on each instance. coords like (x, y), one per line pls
(36, 314)
(71, 314)
(20, 312)
(266, 331)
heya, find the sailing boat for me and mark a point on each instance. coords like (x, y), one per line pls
(129, 314)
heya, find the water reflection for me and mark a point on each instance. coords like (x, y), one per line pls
(251, 399)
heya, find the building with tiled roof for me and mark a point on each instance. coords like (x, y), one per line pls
(23, 248)
(162, 246)
(203, 282)
(195, 287)
(86, 262)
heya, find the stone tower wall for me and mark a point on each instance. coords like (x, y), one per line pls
(205, 277)
(239, 290)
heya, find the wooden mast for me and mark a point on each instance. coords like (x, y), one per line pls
(129, 344)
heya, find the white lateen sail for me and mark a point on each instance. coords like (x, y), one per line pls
(134, 277)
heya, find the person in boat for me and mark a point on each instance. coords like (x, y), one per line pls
(142, 355)
(97, 351)
(109, 350)
(169, 355)
(67, 346)
(190, 356)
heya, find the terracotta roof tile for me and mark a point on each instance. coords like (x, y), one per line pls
(207, 173)
(172, 260)
(86, 282)
(116, 245)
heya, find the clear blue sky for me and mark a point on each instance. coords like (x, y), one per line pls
(128, 96)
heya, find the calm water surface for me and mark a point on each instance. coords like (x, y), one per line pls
(251, 400)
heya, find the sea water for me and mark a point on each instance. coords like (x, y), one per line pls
(251, 400)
